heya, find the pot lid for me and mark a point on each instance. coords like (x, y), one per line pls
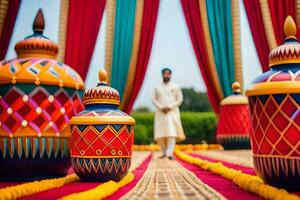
(100, 96)
(284, 62)
(36, 64)
(289, 51)
(236, 98)
(102, 93)
(37, 45)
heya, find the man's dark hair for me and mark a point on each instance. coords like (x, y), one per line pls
(166, 69)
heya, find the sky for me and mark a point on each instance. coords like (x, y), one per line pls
(171, 46)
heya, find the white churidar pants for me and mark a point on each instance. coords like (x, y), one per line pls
(167, 145)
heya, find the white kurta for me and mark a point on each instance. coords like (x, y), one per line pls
(168, 124)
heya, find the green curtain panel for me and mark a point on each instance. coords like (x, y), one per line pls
(220, 27)
(123, 36)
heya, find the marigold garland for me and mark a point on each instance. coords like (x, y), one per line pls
(102, 191)
(246, 182)
(26, 189)
(191, 147)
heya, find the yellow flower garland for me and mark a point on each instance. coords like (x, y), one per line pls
(26, 189)
(191, 147)
(31, 188)
(246, 182)
(102, 191)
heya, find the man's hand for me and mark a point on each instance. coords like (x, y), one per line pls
(166, 110)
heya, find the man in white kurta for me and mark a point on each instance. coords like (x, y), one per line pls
(167, 124)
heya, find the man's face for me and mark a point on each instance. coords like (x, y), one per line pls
(167, 76)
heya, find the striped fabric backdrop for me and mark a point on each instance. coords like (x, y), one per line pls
(8, 14)
(129, 35)
(214, 27)
(266, 19)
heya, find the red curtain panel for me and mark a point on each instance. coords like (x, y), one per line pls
(279, 10)
(255, 19)
(148, 28)
(84, 20)
(191, 12)
(8, 26)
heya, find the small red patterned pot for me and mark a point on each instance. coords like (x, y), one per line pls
(102, 136)
(234, 125)
(274, 100)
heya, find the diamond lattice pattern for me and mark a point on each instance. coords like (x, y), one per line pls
(101, 140)
(43, 114)
(276, 124)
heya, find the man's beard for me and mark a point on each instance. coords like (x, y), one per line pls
(166, 79)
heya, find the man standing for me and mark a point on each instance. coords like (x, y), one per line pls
(167, 124)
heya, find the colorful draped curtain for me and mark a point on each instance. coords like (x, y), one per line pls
(79, 27)
(8, 14)
(129, 36)
(214, 29)
(266, 19)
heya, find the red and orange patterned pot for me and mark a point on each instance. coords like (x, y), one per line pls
(274, 100)
(102, 136)
(234, 125)
(38, 97)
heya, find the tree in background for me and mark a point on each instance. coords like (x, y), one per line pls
(194, 101)
(141, 109)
